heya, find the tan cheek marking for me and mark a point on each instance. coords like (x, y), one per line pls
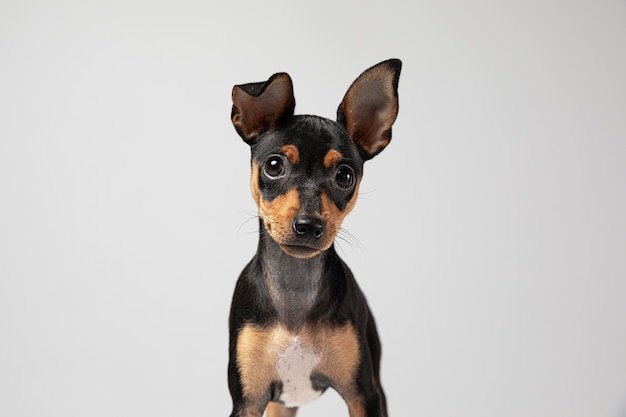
(280, 212)
(331, 213)
(291, 152)
(332, 157)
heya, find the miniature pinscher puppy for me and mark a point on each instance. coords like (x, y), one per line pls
(299, 323)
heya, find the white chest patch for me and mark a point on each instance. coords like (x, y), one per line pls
(294, 366)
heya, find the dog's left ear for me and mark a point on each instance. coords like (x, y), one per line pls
(258, 107)
(370, 107)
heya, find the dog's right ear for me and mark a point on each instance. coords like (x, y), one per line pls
(258, 107)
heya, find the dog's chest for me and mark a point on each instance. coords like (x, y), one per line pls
(266, 355)
(294, 365)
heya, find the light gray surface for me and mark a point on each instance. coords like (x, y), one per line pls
(490, 237)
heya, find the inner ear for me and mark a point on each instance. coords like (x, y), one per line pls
(370, 107)
(258, 107)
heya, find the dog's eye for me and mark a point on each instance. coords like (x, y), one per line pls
(274, 167)
(345, 176)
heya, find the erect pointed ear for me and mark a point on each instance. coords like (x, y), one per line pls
(370, 107)
(257, 107)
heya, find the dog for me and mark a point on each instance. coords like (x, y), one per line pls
(299, 324)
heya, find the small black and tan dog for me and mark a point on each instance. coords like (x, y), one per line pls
(299, 323)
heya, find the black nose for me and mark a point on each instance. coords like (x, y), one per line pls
(307, 226)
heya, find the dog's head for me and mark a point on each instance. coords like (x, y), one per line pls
(306, 170)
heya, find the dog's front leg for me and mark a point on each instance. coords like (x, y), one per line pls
(277, 410)
(364, 406)
(242, 407)
(252, 376)
(246, 411)
(243, 404)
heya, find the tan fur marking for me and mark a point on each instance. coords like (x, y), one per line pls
(291, 152)
(333, 216)
(340, 355)
(279, 213)
(258, 349)
(277, 410)
(332, 157)
(256, 354)
(356, 407)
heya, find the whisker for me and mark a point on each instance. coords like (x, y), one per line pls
(365, 194)
(252, 215)
(337, 243)
(267, 217)
(347, 237)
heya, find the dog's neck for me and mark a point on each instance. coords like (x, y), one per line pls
(293, 283)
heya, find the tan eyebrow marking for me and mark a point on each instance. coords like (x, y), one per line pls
(332, 157)
(291, 152)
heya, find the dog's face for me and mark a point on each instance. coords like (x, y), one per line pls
(306, 170)
(305, 180)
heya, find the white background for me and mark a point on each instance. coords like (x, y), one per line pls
(490, 236)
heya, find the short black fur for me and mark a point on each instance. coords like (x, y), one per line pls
(296, 293)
